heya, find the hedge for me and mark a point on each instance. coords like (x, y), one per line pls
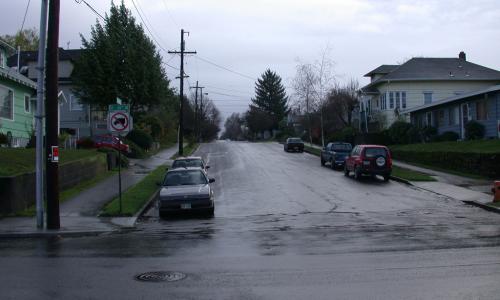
(483, 164)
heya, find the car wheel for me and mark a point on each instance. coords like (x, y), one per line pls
(163, 215)
(386, 178)
(210, 212)
(357, 173)
(332, 165)
(346, 171)
(322, 162)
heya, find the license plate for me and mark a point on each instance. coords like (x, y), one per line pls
(186, 206)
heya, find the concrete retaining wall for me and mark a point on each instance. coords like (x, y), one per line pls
(18, 192)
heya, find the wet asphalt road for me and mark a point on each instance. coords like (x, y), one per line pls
(284, 228)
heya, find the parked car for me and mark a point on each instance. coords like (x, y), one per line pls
(190, 162)
(186, 190)
(104, 141)
(369, 160)
(293, 144)
(335, 154)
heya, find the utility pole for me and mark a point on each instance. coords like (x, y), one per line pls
(201, 115)
(181, 90)
(51, 120)
(196, 117)
(39, 115)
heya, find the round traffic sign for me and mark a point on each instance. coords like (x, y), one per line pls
(119, 121)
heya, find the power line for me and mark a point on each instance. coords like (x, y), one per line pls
(224, 89)
(25, 13)
(147, 27)
(223, 94)
(224, 68)
(170, 15)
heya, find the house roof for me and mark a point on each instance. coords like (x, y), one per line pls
(17, 77)
(439, 69)
(490, 89)
(30, 56)
(383, 69)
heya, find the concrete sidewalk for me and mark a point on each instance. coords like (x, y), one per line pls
(79, 214)
(453, 186)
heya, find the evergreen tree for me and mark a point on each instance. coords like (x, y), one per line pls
(271, 98)
(119, 60)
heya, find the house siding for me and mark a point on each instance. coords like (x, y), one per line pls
(490, 124)
(22, 124)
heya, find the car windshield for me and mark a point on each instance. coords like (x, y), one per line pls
(372, 152)
(187, 177)
(186, 163)
(294, 140)
(342, 147)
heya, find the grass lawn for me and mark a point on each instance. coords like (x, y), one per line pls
(478, 146)
(410, 175)
(135, 197)
(494, 204)
(15, 161)
(66, 194)
(312, 150)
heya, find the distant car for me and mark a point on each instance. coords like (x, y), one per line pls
(189, 162)
(335, 154)
(105, 141)
(369, 160)
(293, 144)
(186, 190)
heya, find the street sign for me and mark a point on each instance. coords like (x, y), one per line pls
(54, 155)
(119, 120)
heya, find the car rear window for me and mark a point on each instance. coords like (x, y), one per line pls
(342, 147)
(188, 177)
(372, 152)
(186, 163)
(294, 140)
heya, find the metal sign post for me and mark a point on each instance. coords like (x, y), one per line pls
(119, 124)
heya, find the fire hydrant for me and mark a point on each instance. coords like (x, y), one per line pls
(496, 191)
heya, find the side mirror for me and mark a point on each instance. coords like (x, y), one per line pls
(159, 183)
(211, 180)
(207, 167)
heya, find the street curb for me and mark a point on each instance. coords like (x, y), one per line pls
(46, 233)
(482, 205)
(146, 205)
(399, 179)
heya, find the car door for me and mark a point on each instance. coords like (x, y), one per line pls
(350, 159)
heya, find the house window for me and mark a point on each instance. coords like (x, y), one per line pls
(427, 97)
(428, 119)
(403, 100)
(440, 120)
(383, 101)
(482, 110)
(2, 59)
(74, 103)
(453, 115)
(391, 100)
(6, 103)
(398, 104)
(27, 103)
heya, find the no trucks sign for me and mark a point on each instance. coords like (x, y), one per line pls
(119, 119)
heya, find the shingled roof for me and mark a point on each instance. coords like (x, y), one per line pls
(383, 69)
(29, 56)
(440, 69)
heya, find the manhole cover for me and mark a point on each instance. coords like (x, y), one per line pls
(160, 276)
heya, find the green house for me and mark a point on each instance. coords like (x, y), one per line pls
(16, 105)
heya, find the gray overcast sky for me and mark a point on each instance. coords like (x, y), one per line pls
(250, 36)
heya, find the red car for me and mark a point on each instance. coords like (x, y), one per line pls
(369, 160)
(106, 141)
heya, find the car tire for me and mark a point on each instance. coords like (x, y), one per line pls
(386, 178)
(357, 172)
(210, 212)
(346, 171)
(322, 162)
(332, 165)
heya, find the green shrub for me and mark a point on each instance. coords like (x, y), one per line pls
(448, 136)
(427, 133)
(124, 160)
(474, 130)
(135, 150)
(86, 143)
(31, 142)
(140, 138)
(399, 132)
(3, 139)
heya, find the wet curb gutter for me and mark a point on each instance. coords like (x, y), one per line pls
(483, 206)
(399, 179)
(56, 233)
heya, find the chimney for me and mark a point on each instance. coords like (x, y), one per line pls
(461, 56)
